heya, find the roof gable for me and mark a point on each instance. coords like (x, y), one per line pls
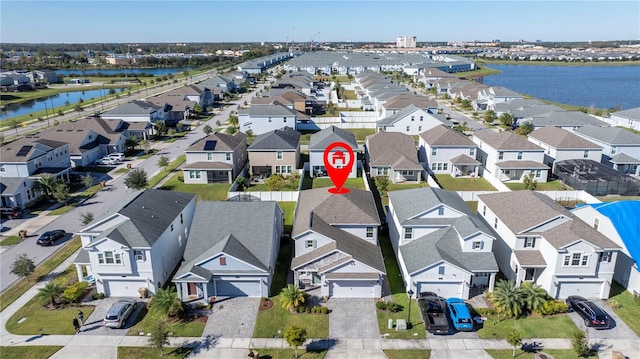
(324, 138)
(283, 139)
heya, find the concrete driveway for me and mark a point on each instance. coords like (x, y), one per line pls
(93, 325)
(618, 329)
(352, 318)
(232, 318)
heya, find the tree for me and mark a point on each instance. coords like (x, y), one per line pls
(231, 130)
(580, 343)
(233, 119)
(525, 128)
(508, 298)
(274, 182)
(132, 142)
(197, 109)
(295, 336)
(529, 182)
(242, 183)
(86, 218)
(506, 119)
(515, 340)
(164, 162)
(23, 266)
(489, 116)
(136, 179)
(78, 108)
(159, 336)
(382, 183)
(165, 301)
(14, 123)
(171, 132)
(535, 297)
(146, 146)
(207, 130)
(179, 126)
(291, 297)
(50, 293)
(160, 128)
(47, 184)
(250, 136)
(88, 180)
(62, 193)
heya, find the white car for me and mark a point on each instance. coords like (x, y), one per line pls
(118, 156)
(119, 312)
(106, 161)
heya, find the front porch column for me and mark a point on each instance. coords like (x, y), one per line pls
(179, 290)
(477, 169)
(492, 281)
(229, 176)
(79, 272)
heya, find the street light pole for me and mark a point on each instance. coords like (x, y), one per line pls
(46, 112)
(410, 293)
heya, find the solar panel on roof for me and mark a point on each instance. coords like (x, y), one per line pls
(210, 145)
(24, 150)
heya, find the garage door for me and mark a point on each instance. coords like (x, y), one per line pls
(583, 289)
(352, 289)
(445, 290)
(123, 288)
(238, 288)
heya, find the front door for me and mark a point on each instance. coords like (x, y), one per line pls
(192, 289)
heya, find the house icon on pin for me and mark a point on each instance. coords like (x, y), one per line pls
(338, 156)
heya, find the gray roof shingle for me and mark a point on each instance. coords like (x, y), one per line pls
(559, 138)
(444, 136)
(393, 149)
(322, 139)
(284, 139)
(506, 140)
(609, 135)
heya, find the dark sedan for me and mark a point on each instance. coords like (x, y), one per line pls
(593, 315)
(50, 237)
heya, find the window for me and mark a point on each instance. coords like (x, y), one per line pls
(138, 255)
(477, 245)
(420, 128)
(519, 155)
(537, 173)
(585, 260)
(278, 170)
(495, 223)
(408, 233)
(439, 166)
(500, 155)
(605, 257)
(614, 149)
(586, 154)
(181, 218)
(369, 232)
(194, 174)
(445, 166)
(434, 166)
(440, 211)
(228, 156)
(441, 270)
(434, 151)
(529, 242)
(567, 258)
(171, 227)
(484, 210)
(408, 128)
(406, 173)
(108, 257)
(209, 156)
(223, 261)
(421, 118)
(279, 155)
(310, 243)
(575, 259)
(412, 118)
(472, 151)
(506, 172)
(596, 223)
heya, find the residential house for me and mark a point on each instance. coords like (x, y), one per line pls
(621, 148)
(264, 118)
(139, 114)
(138, 245)
(180, 103)
(396, 103)
(336, 244)
(319, 141)
(567, 120)
(225, 83)
(628, 118)
(440, 244)
(276, 152)
(560, 145)
(23, 161)
(543, 243)
(233, 255)
(488, 97)
(393, 155)
(411, 120)
(521, 109)
(619, 222)
(218, 157)
(448, 151)
(509, 157)
(90, 138)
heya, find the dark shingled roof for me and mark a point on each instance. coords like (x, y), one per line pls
(322, 139)
(223, 142)
(444, 136)
(284, 139)
(506, 140)
(609, 135)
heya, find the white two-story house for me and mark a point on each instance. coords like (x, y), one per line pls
(560, 145)
(628, 118)
(620, 148)
(509, 157)
(441, 246)
(543, 243)
(411, 120)
(218, 157)
(339, 157)
(138, 245)
(265, 118)
(447, 151)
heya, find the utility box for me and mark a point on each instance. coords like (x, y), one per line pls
(401, 324)
(390, 325)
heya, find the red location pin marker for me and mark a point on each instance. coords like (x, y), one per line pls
(338, 166)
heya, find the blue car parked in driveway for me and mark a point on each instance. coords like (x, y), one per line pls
(460, 314)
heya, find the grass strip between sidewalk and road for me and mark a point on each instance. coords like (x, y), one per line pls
(147, 352)
(520, 354)
(29, 352)
(11, 240)
(21, 286)
(165, 172)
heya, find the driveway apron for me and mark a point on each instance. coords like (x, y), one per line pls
(352, 318)
(233, 318)
(618, 329)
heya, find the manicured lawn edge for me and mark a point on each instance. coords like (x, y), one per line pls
(29, 352)
(407, 353)
(520, 354)
(628, 309)
(164, 173)
(11, 240)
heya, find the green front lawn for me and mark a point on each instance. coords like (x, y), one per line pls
(270, 321)
(29, 352)
(165, 172)
(322, 182)
(628, 310)
(464, 184)
(205, 192)
(408, 353)
(145, 320)
(148, 352)
(542, 186)
(556, 353)
(11, 240)
(557, 326)
(289, 353)
(361, 133)
(417, 330)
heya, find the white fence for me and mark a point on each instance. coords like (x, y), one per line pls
(472, 195)
(280, 196)
(571, 196)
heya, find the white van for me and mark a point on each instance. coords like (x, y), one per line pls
(118, 156)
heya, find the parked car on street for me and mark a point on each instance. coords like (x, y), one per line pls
(434, 313)
(107, 161)
(50, 237)
(11, 212)
(460, 314)
(118, 156)
(593, 315)
(119, 312)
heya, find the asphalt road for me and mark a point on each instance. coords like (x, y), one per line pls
(101, 203)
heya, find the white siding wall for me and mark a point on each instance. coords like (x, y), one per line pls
(360, 231)
(316, 159)
(300, 242)
(416, 126)
(260, 125)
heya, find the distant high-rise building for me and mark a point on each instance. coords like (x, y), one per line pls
(406, 41)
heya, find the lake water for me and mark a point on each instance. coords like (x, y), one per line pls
(599, 86)
(24, 108)
(154, 71)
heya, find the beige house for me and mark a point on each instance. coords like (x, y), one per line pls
(394, 155)
(216, 158)
(276, 151)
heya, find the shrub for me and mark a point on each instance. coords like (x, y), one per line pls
(381, 305)
(96, 296)
(394, 307)
(485, 312)
(614, 303)
(325, 310)
(553, 306)
(75, 292)
(308, 310)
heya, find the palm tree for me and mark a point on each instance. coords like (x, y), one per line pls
(47, 184)
(535, 297)
(508, 298)
(50, 292)
(165, 301)
(291, 297)
(525, 128)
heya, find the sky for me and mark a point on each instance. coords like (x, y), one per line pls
(93, 21)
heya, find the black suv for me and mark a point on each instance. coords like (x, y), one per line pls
(593, 315)
(11, 212)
